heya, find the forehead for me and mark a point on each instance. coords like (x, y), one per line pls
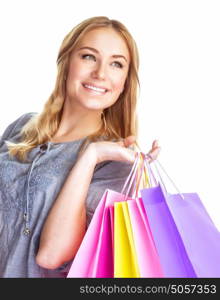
(106, 41)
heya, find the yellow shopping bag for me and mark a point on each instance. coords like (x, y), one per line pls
(125, 259)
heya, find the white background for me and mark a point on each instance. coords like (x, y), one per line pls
(179, 49)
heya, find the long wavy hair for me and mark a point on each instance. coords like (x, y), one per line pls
(119, 120)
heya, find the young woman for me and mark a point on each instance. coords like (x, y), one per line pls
(56, 165)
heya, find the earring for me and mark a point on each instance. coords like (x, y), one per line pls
(104, 121)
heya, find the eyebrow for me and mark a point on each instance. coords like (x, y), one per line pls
(95, 50)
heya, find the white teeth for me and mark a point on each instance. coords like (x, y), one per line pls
(94, 88)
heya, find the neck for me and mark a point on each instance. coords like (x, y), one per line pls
(77, 123)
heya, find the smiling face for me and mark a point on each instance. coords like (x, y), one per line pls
(98, 69)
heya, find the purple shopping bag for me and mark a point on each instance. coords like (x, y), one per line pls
(170, 247)
(198, 232)
(183, 220)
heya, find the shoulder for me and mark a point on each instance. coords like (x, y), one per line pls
(15, 127)
(23, 119)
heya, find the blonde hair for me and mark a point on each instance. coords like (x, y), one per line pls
(119, 121)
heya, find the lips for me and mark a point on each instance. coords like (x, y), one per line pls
(95, 87)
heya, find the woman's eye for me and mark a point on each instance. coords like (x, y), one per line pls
(118, 64)
(86, 56)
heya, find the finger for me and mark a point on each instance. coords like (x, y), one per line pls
(129, 140)
(121, 143)
(155, 144)
(153, 154)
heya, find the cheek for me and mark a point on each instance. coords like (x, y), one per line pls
(76, 71)
(74, 75)
(118, 83)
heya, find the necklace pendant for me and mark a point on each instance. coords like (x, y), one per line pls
(26, 231)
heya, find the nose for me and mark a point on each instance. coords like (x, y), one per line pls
(99, 71)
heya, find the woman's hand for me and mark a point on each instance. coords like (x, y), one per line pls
(119, 151)
(154, 152)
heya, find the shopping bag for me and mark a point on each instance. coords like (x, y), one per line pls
(135, 254)
(197, 231)
(147, 256)
(173, 256)
(94, 257)
(87, 259)
(125, 259)
(111, 211)
(104, 258)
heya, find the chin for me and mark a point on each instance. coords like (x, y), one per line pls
(95, 105)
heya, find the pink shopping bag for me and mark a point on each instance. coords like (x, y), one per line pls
(147, 256)
(94, 257)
